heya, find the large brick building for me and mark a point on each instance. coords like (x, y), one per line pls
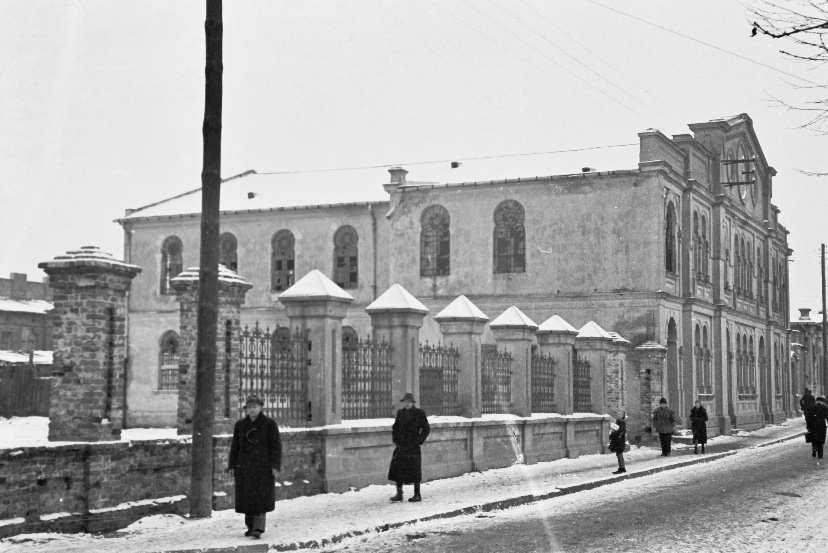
(684, 249)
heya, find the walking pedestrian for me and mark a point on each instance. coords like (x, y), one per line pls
(698, 423)
(815, 422)
(618, 440)
(806, 402)
(409, 432)
(255, 460)
(664, 422)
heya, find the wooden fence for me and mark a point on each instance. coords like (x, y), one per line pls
(23, 392)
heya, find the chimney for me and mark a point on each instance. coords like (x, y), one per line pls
(397, 175)
(18, 286)
(804, 314)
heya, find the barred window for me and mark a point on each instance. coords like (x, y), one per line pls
(227, 251)
(670, 239)
(171, 263)
(346, 253)
(168, 359)
(509, 238)
(435, 241)
(282, 261)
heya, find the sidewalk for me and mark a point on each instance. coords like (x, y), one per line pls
(322, 519)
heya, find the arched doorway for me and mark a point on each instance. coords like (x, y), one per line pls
(672, 364)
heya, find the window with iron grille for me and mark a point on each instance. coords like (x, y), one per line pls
(282, 261)
(581, 386)
(228, 255)
(168, 362)
(439, 370)
(435, 241)
(543, 383)
(346, 273)
(171, 263)
(366, 380)
(496, 380)
(509, 238)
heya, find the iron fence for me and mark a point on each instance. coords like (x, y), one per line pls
(543, 383)
(582, 387)
(274, 366)
(366, 380)
(496, 380)
(439, 369)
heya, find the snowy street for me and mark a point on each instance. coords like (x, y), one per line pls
(769, 499)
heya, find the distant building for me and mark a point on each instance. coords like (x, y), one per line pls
(23, 322)
(806, 353)
(685, 249)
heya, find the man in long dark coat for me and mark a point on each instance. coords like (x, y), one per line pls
(817, 417)
(255, 459)
(806, 402)
(698, 423)
(409, 432)
(664, 423)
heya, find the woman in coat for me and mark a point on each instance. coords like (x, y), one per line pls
(409, 432)
(255, 459)
(698, 423)
(817, 417)
(618, 440)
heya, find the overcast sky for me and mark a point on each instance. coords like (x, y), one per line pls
(102, 102)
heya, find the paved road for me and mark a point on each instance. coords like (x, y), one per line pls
(768, 499)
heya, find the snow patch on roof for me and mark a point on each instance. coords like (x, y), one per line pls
(649, 344)
(617, 338)
(513, 317)
(87, 255)
(593, 330)
(25, 306)
(397, 298)
(556, 323)
(463, 309)
(39, 357)
(315, 285)
(224, 275)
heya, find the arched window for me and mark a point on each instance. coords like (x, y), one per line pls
(705, 249)
(168, 358)
(760, 275)
(670, 239)
(228, 255)
(750, 270)
(737, 266)
(740, 361)
(751, 374)
(282, 261)
(346, 272)
(706, 361)
(697, 268)
(435, 241)
(509, 238)
(743, 253)
(732, 168)
(699, 357)
(171, 262)
(777, 375)
(775, 303)
(729, 351)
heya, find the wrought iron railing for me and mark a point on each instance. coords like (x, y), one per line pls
(582, 386)
(496, 380)
(366, 380)
(274, 366)
(439, 369)
(543, 383)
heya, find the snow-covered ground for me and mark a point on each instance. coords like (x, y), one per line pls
(34, 432)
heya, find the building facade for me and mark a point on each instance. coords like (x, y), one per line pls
(807, 369)
(685, 249)
(23, 324)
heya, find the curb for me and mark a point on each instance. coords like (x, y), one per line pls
(779, 440)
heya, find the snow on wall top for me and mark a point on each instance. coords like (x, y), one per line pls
(397, 298)
(593, 330)
(88, 255)
(513, 317)
(315, 285)
(39, 357)
(224, 274)
(617, 338)
(461, 308)
(25, 306)
(556, 323)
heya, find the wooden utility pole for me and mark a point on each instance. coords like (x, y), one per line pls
(824, 330)
(201, 484)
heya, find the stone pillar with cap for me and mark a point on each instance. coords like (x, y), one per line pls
(462, 324)
(513, 330)
(593, 344)
(227, 403)
(316, 305)
(396, 318)
(649, 359)
(89, 287)
(617, 387)
(556, 337)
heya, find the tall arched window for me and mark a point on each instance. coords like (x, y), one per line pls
(697, 268)
(729, 352)
(743, 253)
(282, 260)
(168, 358)
(775, 302)
(737, 266)
(228, 246)
(706, 362)
(740, 362)
(750, 270)
(751, 375)
(705, 253)
(777, 374)
(699, 358)
(760, 275)
(509, 238)
(346, 272)
(670, 239)
(435, 241)
(171, 262)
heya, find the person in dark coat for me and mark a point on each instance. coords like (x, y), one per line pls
(255, 460)
(618, 440)
(698, 423)
(664, 422)
(815, 422)
(409, 432)
(806, 402)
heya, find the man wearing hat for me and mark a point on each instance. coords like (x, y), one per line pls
(255, 459)
(409, 432)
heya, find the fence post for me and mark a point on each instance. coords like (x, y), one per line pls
(617, 387)
(89, 342)
(317, 305)
(556, 337)
(649, 359)
(593, 344)
(396, 317)
(515, 331)
(462, 324)
(231, 291)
